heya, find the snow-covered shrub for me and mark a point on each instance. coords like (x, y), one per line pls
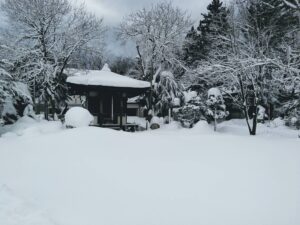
(261, 114)
(6, 94)
(156, 122)
(9, 112)
(216, 109)
(188, 115)
(167, 93)
(28, 111)
(278, 122)
(290, 110)
(30, 126)
(293, 121)
(78, 117)
(192, 111)
(14, 95)
(14, 102)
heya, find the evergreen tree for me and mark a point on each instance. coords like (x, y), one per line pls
(212, 27)
(192, 48)
(5, 89)
(14, 95)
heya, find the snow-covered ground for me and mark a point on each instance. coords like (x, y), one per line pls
(172, 176)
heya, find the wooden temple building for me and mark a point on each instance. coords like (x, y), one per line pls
(106, 94)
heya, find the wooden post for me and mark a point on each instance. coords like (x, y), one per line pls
(87, 100)
(121, 111)
(215, 119)
(99, 117)
(112, 108)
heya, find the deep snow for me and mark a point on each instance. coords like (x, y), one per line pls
(88, 176)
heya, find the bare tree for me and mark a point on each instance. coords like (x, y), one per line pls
(158, 33)
(45, 35)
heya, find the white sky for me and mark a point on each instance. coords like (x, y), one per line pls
(113, 11)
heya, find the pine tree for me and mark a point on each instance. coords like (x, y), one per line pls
(192, 48)
(212, 27)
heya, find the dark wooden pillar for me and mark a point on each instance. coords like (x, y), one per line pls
(87, 100)
(99, 115)
(121, 110)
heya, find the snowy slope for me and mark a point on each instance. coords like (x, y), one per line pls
(171, 176)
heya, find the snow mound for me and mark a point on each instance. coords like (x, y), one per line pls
(157, 120)
(278, 122)
(106, 68)
(78, 117)
(28, 126)
(238, 128)
(14, 211)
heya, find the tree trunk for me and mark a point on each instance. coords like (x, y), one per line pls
(151, 98)
(254, 122)
(270, 113)
(53, 105)
(215, 120)
(46, 110)
(245, 108)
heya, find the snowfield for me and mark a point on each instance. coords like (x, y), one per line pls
(50, 175)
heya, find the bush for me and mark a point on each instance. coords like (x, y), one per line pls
(216, 108)
(193, 110)
(188, 115)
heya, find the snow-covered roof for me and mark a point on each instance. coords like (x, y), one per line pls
(105, 78)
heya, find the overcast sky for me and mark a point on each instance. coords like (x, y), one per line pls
(113, 11)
